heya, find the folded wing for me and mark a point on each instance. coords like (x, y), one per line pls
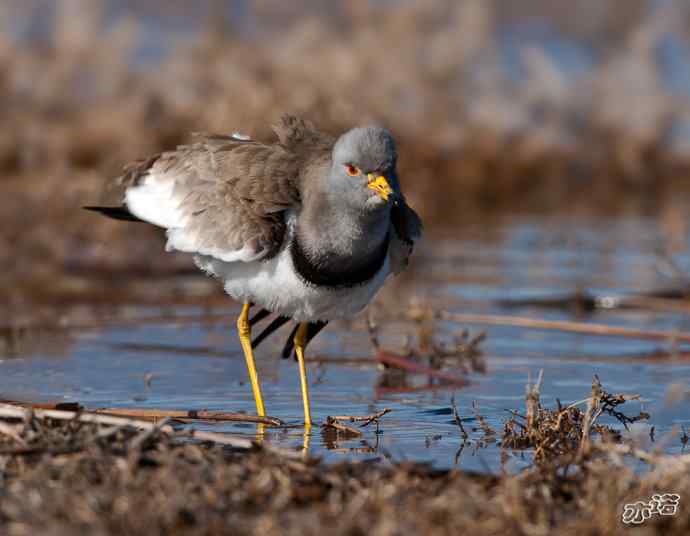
(223, 196)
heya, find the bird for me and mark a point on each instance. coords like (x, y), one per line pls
(307, 226)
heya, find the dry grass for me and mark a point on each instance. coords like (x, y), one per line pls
(79, 101)
(62, 477)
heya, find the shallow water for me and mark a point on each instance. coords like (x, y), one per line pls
(195, 361)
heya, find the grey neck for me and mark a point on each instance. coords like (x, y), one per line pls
(336, 246)
(341, 230)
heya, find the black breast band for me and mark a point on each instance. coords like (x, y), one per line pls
(336, 272)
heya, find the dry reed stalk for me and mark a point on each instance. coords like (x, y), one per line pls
(602, 330)
(532, 396)
(593, 412)
(18, 412)
(153, 415)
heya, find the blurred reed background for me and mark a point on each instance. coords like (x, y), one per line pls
(529, 105)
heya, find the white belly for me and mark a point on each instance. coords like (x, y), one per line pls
(274, 285)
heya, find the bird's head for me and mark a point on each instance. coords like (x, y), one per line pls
(363, 173)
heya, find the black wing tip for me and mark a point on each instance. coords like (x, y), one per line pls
(116, 213)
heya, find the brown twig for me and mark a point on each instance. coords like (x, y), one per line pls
(153, 415)
(603, 330)
(18, 412)
(366, 419)
(456, 418)
(489, 433)
(333, 424)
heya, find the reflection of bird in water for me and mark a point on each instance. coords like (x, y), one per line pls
(307, 227)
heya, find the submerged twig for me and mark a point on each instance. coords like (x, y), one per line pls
(457, 419)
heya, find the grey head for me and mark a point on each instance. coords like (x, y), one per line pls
(363, 170)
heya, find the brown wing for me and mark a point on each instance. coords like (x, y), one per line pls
(224, 196)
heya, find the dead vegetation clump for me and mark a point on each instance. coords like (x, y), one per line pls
(61, 477)
(563, 435)
(88, 94)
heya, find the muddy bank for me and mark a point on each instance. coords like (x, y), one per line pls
(61, 477)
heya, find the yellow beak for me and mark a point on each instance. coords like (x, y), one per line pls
(380, 186)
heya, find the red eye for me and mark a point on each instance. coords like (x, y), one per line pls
(352, 171)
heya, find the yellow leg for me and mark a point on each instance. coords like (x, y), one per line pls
(300, 342)
(245, 333)
(306, 439)
(260, 433)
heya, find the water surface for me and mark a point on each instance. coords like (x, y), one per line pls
(194, 361)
